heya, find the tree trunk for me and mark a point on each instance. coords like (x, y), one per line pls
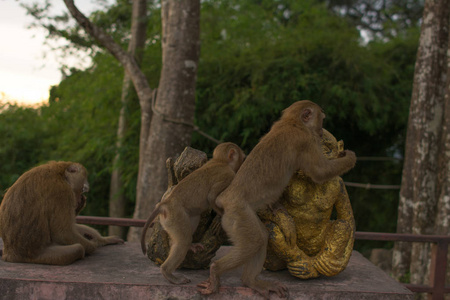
(117, 201)
(163, 133)
(421, 192)
(443, 191)
(174, 105)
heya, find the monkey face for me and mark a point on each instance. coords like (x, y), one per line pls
(76, 176)
(85, 187)
(81, 200)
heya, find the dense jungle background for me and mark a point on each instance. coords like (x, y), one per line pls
(355, 58)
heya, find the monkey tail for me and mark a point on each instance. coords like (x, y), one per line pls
(148, 224)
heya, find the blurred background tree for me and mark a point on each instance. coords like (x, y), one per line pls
(257, 57)
(424, 205)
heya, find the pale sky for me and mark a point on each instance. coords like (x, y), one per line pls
(27, 67)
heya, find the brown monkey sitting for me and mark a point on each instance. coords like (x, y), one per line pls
(302, 237)
(37, 217)
(292, 144)
(182, 204)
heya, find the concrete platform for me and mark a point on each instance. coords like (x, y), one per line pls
(123, 272)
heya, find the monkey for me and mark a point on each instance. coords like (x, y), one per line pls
(293, 143)
(302, 237)
(181, 206)
(37, 216)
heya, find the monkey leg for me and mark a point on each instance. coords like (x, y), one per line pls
(236, 257)
(69, 235)
(244, 231)
(212, 284)
(253, 268)
(95, 237)
(53, 255)
(181, 243)
(337, 249)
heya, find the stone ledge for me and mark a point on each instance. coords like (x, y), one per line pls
(123, 272)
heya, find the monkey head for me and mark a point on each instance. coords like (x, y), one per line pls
(308, 113)
(231, 153)
(331, 148)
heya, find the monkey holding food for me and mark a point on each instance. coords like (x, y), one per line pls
(293, 143)
(37, 217)
(181, 206)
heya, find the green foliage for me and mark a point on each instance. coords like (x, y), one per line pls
(248, 76)
(22, 132)
(365, 90)
(81, 124)
(257, 57)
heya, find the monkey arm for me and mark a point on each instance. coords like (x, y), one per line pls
(215, 191)
(320, 169)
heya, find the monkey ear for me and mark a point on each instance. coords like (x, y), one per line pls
(306, 115)
(231, 154)
(72, 169)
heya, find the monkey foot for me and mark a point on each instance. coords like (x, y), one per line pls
(110, 240)
(207, 288)
(197, 247)
(265, 287)
(180, 279)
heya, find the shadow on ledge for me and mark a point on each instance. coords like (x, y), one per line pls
(123, 272)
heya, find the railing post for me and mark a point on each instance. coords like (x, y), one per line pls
(438, 269)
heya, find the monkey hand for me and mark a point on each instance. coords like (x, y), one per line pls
(303, 269)
(349, 154)
(196, 247)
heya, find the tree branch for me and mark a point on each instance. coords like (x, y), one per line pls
(127, 60)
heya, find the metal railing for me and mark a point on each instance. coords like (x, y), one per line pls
(439, 251)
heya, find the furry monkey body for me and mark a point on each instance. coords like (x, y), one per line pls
(37, 217)
(292, 144)
(181, 206)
